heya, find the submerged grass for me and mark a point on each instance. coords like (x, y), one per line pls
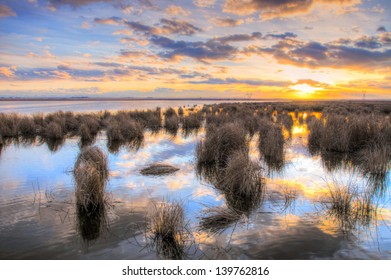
(350, 206)
(158, 169)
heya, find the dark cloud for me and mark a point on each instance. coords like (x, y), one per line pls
(177, 27)
(227, 22)
(239, 37)
(270, 9)
(6, 11)
(139, 27)
(334, 55)
(282, 36)
(202, 51)
(368, 42)
(381, 29)
(164, 27)
(107, 64)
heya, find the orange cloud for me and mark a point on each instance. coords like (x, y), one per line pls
(174, 10)
(276, 9)
(7, 71)
(6, 11)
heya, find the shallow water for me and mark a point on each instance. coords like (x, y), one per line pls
(39, 220)
(30, 107)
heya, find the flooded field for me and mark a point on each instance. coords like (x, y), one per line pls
(249, 181)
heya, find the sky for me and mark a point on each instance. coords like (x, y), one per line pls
(295, 49)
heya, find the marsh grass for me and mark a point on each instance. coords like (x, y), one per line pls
(124, 132)
(212, 153)
(167, 231)
(91, 175)
(54, 131)
(158, 170)
(26, 127)
(271, 145)
(242, 183)
(191, 123)
(171, 124)
(350, 206)
(8, 125)
(286, 120)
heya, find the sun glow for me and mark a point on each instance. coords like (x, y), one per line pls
(304, 89)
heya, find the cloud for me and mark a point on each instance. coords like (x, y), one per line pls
(177, 27)
(269, 9)
(8, 72)
(251, 82)
(227, 22)
(140, 28)
(201, 51)
(132, 54)
(46, 54)
(108, 21)
(203, 3)
(61, 72)
(122, 32)
(164, 27)
(6, 11)
(368, 42)
(353, 55)
(76, 3)
(174, 10)
(282, 36)
(381, 29)
(239, 37)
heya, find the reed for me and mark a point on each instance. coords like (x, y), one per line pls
(91, 175)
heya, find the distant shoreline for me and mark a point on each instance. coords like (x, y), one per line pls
(193, 99)
(139, 99)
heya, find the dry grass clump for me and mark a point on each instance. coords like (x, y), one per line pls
(286, 120)
(180, 111)
(8, 125)
(91, 175)
(131, 130)
(243, 187)
(167, 231)
(171, 121)
(191, 123)
(57, 117)
(349, 206)
(219, 144)
(271, 145)
(90, 121)
(150, 119)
(124, 131)
(26, 127)
(335, 134)
(242, 183)
(54, 131)
(315, 127)
(375, 159)
(159, 169)
(250, 123)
